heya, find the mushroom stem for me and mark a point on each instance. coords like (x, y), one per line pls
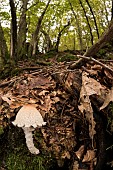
(29, 140)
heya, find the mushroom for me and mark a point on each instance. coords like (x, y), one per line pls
(28, 118)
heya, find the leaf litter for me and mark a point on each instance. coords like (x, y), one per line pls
(64, 98)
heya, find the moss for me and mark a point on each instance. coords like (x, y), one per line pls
(66, 57)
(16, 71)
(1, 130)
(50, 54)
(43, 63)
(14, 154)
(20, 161)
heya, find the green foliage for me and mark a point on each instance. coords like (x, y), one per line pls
(9, 70)
(66, 57)
(50, 54)
(4, 15)
(106, 51)
(56, 16)
(101, 52)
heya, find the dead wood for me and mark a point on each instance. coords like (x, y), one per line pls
(97, 62)
(105, 38)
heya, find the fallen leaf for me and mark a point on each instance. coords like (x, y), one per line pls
(46, 103)
(56, 99)
(6, 99)
(80, 152)
(108, 99)
(89, 87)
(90, 155)
(75, 165)
(43, 92)
(108, 74)
(65, 154)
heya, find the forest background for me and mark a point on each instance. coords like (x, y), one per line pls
(28, 27)
(35, 35)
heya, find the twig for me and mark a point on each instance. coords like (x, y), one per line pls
(104, 60)
(8, 82)
(85, 69)
(96, 61)
(77, 64)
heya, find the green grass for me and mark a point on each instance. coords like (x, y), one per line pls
(14, 154)
(20, 161)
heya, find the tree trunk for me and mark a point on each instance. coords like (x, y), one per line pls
(22, 30)
(47, 40)
(60, 34)
(90, 29)
(106, 37)
(36, 33)
(106, 12)
(13, 52)
(74, 42)
(112, 10)
(3, 48)
(93, 17)
(78, 26)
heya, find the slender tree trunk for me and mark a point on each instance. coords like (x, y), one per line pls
(106, 12)
(93, 17)
(78, 25)
(36, 33)
(90, 29)
(22, 30)
(13, 52)
(74, 42)
(47, 41)
(59, 36)
(112, 10)
(3, 48)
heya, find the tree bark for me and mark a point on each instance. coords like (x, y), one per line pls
(36, 33)
(106, 37)
(78, 26)
(90, 29)
(93, 17)
(13, 52)
(3, 47)
(112, 10)
(60, 34)
(106, 12)
(47, 40)
(22, 30)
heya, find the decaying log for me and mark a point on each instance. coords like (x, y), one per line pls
(105, 38)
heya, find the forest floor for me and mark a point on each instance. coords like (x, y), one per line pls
(75, 101)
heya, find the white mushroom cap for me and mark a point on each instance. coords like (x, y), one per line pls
(28, 116)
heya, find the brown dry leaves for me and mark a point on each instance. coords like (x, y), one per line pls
(89, 87)
(53, 103)
(56, 92)
(108, 99)
(89, 156)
